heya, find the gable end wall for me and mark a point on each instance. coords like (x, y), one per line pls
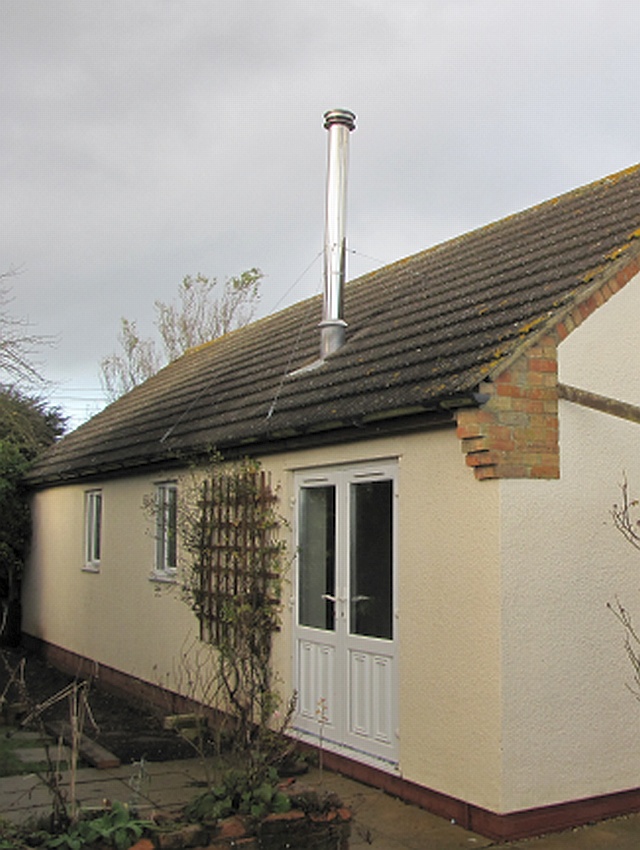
(515, 433)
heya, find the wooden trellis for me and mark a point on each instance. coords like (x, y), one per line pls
(238, 558)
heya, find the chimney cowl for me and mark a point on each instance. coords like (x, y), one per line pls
(339, 116)
(339, 123)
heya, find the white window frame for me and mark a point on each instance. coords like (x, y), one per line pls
(93, 504)
(166, 549)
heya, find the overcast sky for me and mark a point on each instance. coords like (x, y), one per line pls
(143, 140)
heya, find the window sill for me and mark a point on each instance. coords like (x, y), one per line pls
(91, 568)
(164, 578)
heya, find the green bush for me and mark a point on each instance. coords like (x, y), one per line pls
(26, 428)
(237, 795)
(118, 827)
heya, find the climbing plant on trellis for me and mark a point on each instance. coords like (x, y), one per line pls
(234, 581)
(239, 553)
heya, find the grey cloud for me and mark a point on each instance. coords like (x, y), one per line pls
(143, 141)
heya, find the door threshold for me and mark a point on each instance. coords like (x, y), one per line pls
(388, 765)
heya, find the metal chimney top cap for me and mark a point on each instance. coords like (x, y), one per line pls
(339, 116)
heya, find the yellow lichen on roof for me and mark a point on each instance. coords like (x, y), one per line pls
(618, 175)
(550, 202)
(530, 325)
(613, 255)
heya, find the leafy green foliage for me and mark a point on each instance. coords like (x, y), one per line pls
(28, 423)
(27, 426)
(237, 794)
(15, 529)
(14, 837)
(117, 827)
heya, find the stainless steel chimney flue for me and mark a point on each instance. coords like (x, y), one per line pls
(339, 123)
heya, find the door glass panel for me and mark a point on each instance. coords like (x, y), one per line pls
(317, 557)
(371, 568)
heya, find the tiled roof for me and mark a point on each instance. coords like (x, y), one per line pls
(422, 334)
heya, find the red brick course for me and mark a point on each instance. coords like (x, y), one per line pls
(515, 433)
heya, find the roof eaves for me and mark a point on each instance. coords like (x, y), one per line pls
(373, 425)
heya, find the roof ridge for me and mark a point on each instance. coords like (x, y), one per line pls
(447, 243)
(553, 201)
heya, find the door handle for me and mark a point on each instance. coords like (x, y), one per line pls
(329, 598)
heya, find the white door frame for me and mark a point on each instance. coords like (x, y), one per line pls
(347, 683)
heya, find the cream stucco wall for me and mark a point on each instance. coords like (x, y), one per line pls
(448, 600)
(512, 672)
(570, 723)
(117, 616)
(448, 611)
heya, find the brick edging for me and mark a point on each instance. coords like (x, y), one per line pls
(509, 826)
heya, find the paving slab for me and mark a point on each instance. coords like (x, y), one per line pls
(386, 823)
(22, 735)
(380, 822)
(166, 785)
(33, 755)
(90, 752)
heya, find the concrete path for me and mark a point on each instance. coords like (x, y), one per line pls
(380, 822)
(384, 823)
(148, 786)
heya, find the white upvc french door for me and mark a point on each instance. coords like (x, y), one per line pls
(345, 622)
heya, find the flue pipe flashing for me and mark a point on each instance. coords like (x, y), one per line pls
(339, 123)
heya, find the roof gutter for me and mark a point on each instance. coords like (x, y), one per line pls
(381, 423)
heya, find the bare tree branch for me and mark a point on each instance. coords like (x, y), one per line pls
(626, 520)
(18, 344)
(631, 643)
(626, 516)
(204, 311)
(136, 361)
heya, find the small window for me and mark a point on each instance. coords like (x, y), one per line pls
(92, 529)
(166, 529)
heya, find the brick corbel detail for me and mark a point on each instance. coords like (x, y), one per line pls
(514, 434)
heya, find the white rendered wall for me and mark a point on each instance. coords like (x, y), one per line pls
(570, 723)
(448, 610)
(448, 600)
